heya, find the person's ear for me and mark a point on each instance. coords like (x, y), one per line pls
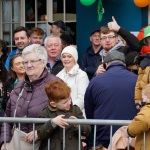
(53, 104)
(12, 68)
(117, 39)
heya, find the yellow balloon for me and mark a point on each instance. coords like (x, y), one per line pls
(142, 3)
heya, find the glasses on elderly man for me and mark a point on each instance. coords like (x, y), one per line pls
(32, 62)
(108, 37)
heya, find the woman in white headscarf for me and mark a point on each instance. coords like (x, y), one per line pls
(76, 79)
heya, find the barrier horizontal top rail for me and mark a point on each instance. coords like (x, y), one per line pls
(70, 121)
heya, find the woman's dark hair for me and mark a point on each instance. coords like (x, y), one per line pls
(3, 45)
(132, 58)
(11, 72)
(3, 72)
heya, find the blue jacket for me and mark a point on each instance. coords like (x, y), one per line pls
(9, 57)
(110, 96)
(89, 61)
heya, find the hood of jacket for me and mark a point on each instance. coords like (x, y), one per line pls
(103, 52)
(90, 50)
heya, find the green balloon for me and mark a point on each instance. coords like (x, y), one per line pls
(87, 2)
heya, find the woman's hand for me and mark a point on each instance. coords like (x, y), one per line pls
(3, 146)
(60, 121)
(30, 135)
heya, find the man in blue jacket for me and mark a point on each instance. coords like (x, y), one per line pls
(22, 39)
(110, 96)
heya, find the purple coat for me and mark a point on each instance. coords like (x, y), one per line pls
(31, 103)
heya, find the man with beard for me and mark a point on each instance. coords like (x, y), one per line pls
(57, 27)
(110, 41)
(21, 39)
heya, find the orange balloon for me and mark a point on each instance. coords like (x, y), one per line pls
(141, 3)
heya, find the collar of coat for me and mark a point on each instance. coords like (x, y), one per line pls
(55, 109)
(74, 70)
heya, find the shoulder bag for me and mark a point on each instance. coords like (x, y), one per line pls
(18, 140)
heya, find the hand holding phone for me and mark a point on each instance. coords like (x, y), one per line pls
(100, 69)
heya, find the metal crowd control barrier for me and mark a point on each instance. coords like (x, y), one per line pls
(94, 122)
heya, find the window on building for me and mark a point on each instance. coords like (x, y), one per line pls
(35, 13)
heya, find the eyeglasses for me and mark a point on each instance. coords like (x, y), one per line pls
(108, 37)
(32, 62)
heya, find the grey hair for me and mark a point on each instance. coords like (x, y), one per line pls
(51, 37)
(39, 50)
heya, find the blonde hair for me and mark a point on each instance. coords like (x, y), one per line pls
(123, 40)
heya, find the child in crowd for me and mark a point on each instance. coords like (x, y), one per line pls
(144, 69)
(141, 123)
(59, 108)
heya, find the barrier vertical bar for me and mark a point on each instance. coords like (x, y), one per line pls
(5, 135)
(144, 138)
(128, 143)
(19, 145)
(79, 128)
(33, 136)
(94, 136)
(48, 144)
(64, 139)
(111, 137)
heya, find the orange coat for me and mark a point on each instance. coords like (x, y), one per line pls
(139, 125)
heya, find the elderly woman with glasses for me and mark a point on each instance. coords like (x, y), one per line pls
(33, 98)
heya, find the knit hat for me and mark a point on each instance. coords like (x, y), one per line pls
(114, 55)
(72, 51)
(146, 34)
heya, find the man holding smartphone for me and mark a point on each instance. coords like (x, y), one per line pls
(110, 41)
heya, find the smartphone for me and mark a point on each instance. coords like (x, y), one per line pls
(104, 65)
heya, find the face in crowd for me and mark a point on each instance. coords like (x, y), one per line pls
(55, 30)
(17, 65)
(53, 47)
(36, 39)
(21, 40)
(108, 38)
(33, 65)
(95, 39)
(147, 40)
(68, 61)
(36, 36)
